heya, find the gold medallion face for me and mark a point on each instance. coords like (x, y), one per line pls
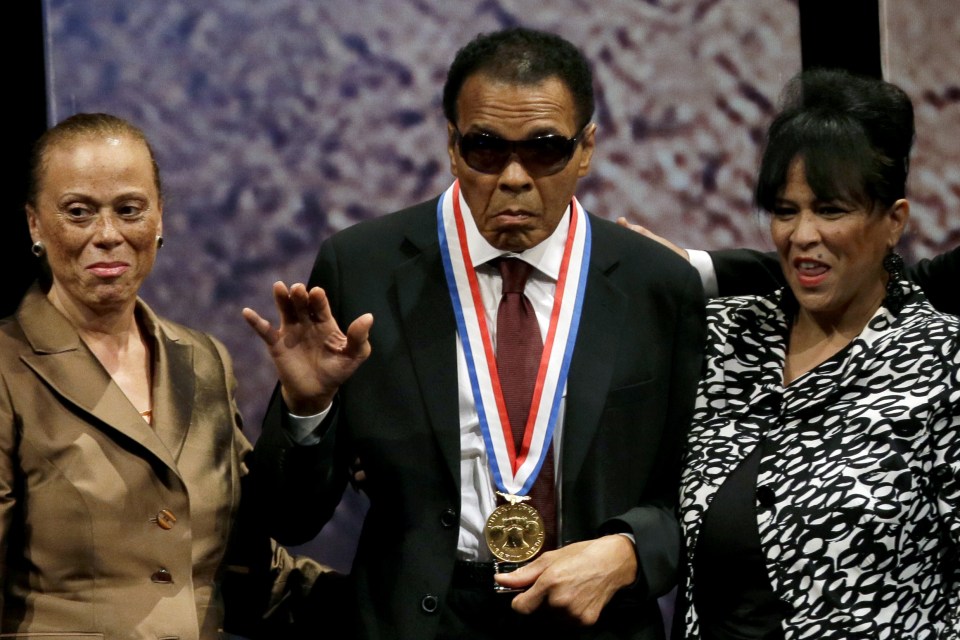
(514, 532)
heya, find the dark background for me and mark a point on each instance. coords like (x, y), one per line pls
(27, 118)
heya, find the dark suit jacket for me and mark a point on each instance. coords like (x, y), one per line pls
(745, 272)
(629, 399)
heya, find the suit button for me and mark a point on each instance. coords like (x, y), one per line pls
(165, 519)
(448, 518)
(430, 603)
(162, 576)
(765, 496)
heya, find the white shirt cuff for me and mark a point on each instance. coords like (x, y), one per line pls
(702, 262)
(303, 429)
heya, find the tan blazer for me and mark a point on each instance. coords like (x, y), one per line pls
(109, 527)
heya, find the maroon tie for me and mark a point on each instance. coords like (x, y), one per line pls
(519, 347)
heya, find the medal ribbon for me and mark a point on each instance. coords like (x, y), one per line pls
(514, 471)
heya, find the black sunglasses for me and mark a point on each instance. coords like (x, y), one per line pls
(541, 156)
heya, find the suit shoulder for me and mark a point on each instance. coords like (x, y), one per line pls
(397, 223)
(9, 325)
(920, 318)
(723, 308)
(194, 337)
(639, 253)
(13, 342)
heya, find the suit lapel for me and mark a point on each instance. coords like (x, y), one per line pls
(591, 366)
(174, 383)
(426, 315)
(63, 362)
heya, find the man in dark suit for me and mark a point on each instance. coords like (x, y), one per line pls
(738, 272)
(418, 389)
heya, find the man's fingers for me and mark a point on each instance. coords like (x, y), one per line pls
(296, 304)
(318, 307)
(358, 334)
(262, 327)
(300, 301)
(633, 227)
(281, 297)
(523, 576)
(531, 599)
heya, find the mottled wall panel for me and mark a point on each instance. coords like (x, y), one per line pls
(277, 123)
(921, 44)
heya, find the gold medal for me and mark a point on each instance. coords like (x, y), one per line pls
(514, 531)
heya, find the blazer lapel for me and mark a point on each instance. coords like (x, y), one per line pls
(591, 366)
(840, 373)
(62, 360)
(174, 383)
(753, 360)
(426, 315)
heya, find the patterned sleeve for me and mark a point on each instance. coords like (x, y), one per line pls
(946, 474)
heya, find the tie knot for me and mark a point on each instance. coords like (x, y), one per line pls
(514, 272)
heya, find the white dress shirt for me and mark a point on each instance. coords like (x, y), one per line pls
(703, 263)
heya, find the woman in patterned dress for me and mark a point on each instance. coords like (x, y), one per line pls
(821, 483)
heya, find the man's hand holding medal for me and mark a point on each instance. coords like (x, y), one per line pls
(578, 579)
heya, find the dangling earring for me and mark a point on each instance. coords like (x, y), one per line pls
(159, 241)
(38, 249)
(893, 265)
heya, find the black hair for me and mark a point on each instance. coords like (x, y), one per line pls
(853, 133)
(522, 56)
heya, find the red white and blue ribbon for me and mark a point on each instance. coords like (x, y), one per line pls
(513, 471)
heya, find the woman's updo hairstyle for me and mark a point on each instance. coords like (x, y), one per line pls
(853, 134)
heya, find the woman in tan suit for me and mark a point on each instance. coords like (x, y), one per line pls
(120, 445)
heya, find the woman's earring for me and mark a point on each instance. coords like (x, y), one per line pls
(893, 265)
(38, 249)
(159, 241)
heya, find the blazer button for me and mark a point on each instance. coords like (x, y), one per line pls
(448, 518)
(765, 496)
(165, 519)
(430, 603)
(162, 576)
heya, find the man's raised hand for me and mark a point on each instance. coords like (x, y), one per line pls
(312, 355)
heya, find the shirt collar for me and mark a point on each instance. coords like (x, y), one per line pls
(544, 257)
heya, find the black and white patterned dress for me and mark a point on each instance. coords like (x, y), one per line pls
(858, 491)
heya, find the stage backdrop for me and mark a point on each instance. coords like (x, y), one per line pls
(278, 123)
